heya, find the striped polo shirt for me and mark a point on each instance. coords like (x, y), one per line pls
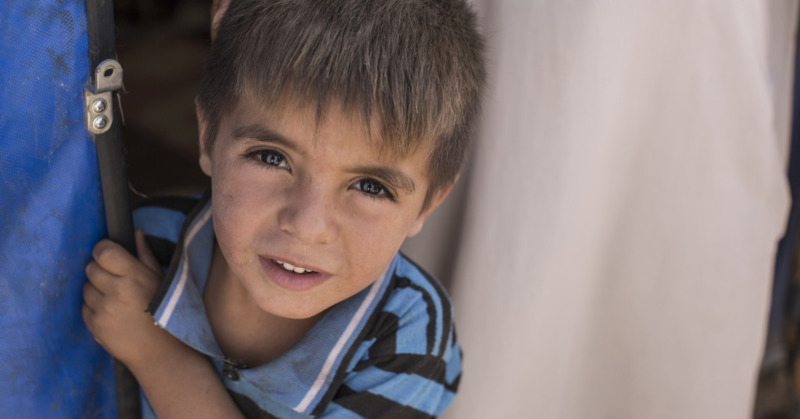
(389, 351)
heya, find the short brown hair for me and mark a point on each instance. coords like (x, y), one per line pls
(418, 64)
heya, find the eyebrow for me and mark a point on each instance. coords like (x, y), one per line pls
(395, 178)
(264, 134)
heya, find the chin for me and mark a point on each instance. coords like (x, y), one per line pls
(293, 313)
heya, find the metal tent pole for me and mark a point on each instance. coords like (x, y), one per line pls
(103, 119)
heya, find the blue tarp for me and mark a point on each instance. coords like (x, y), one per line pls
(51, 215)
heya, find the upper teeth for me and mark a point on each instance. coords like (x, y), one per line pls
(290, 267)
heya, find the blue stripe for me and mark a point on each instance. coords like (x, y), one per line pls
(361, 353)
(412, 312)
(408, 270)
(445, 401)
(334, 411)
(405, 389)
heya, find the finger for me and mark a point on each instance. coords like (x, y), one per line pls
(92, 296)
(99, 277)
(87, 313)
(145, 254)
(113, 258)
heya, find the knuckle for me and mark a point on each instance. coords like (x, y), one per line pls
(102, 307)
(86, 313)
(105, 252)
(91, 269)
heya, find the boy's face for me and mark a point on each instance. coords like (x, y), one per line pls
(306, 214)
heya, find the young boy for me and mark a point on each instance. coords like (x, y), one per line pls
(330, 131)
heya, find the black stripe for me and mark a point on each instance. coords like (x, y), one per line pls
(370, 405)
(173, 266)
(184, 204)
(250, 409)
(369, 330)
(447, 318)
(430, 328)
(385, 334)
(426, 366)
(453, 387)
(162, 248)
(386, 323)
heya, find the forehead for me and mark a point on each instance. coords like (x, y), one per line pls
(320, 124)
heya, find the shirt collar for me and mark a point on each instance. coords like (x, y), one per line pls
(299, 377)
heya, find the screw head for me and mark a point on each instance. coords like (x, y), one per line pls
(100, 122)
(99, 106)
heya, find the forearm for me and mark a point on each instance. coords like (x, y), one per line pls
(182, 383)
(177, 380)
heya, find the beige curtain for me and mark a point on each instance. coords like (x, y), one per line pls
(625, 199)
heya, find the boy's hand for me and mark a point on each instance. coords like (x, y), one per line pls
(115, 298)
(177, 380)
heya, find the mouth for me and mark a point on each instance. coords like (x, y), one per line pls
(290, 276)
(291, 268)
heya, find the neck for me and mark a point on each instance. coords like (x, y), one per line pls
(242, 329)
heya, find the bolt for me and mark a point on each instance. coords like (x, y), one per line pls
(99, 106)
(100, 122)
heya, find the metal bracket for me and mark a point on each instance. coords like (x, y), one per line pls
(99, 114)
(107, 76)
(98, 104)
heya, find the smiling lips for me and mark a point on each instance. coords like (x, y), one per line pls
(290, 277)
(290, 267)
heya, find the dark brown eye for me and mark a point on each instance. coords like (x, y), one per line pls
(373, 189)
(270, 157)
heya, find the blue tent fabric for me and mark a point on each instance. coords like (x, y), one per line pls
(51, 214)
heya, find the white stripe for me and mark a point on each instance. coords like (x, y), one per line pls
(337, 349)
(176, 295)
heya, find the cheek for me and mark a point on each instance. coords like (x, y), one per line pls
(227, 234)
(376, 239)
(233, 195)
(244, 213)
(232, 221)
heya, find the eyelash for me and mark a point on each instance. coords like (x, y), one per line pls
(384, 192)
(261, 157)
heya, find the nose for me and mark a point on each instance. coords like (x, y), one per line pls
(308, 214)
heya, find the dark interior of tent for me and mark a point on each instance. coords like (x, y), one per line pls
(161, 45)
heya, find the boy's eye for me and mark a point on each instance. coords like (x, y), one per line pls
(373, 188)
(270, 157)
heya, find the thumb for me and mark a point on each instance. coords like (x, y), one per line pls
(146, 255)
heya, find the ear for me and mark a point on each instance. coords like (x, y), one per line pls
(218, 8)
(436, 200)
(202, 125)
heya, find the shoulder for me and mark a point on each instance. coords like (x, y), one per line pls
(409, 362)
(422, 309)
(162, 219)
